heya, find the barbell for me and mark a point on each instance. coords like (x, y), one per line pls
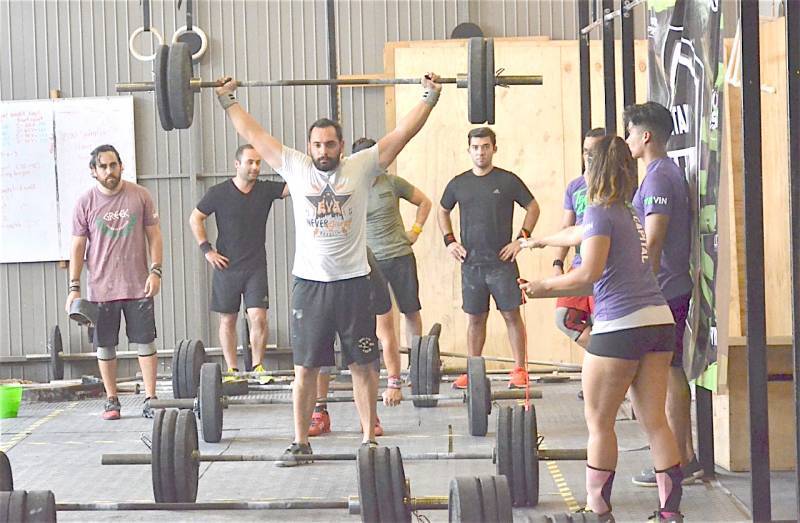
(174, 86)
(174, 458)
(211, 401)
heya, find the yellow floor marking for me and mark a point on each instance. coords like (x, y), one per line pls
(11, 443)
(563, 488)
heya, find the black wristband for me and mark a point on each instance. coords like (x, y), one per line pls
(558, 263)
(206, 247)
(449, 238)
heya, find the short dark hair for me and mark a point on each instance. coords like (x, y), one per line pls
(326, 122)
(106, 148)
(481, 132)
(362, 143)
(597, 132)
(650, 116)
(240, 151)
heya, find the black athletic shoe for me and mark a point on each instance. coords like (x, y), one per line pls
(293, 455)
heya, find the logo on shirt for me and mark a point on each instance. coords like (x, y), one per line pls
(642, 235)
(116, 224)
(579, 201)
(656, 200)
(328, 215)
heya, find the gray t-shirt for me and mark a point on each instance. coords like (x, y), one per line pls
(330, 214)
(627, 283)
(664, 190)
(386, 234)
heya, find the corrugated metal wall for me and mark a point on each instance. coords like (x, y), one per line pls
(81, 48)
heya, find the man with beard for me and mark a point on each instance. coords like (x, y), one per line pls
(241, 206)
(331, 291)
(119, 222)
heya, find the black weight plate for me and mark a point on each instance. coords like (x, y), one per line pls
(464, 501)
(179, 76)
(490, 81)
(422, 373)
(55, 348)
(399, 487)
(6, 476)
(477, 397)
(162, 93)
(186, 466)
(5, 501)
(414, 373)
(466, 30)
(436, 330)
(434, 366)
(243, 334)
(193, 40)
(503, 443)
(155, 455)
(167, 465)
(17, 506)
(193, 361)
(488, 498)
(476, 80)
(531, 457)
(383, 484)
(40, 506)
(235, 388)
(177, 370)
(367, 494)
(211, 402)
(504, 512)
(518, 491)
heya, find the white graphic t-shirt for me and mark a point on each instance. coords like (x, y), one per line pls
(330, 214)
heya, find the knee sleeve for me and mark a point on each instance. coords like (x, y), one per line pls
(107, 353)
(144, 349)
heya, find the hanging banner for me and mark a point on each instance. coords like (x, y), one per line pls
(686, 76)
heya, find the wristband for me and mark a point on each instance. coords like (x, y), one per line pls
(417, 228)
(74, 288)
(430, 96)
(524, 233)
(558, 263)
(449, 238)
(226, 100)
(394, 382)
(156, 271)
(206, 247)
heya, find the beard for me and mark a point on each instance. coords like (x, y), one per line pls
(326, 164)
(111, 182)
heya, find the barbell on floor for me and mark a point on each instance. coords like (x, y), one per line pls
(175, 88)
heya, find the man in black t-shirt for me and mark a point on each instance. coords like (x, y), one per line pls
(485, 196)
(241, 205)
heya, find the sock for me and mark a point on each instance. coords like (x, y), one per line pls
(598, 489)
(670, 489)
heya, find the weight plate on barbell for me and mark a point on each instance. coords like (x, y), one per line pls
(155, 456)
(383, 484)
(186, 466)
(476, 80)
(505, 456)
(177, 370)
(489, 89)
(399, 487)
(464, 503)
(417, 385)
(6, 476)
(434, 366)
(40, 507)
(504, 512)
(488, 498)
(160, 83)
(531, 456)
(167, 455)
(243, 333)
(367, 494)
(193, 359)
(478, 396)
(211, 402)
(180, 92)
(55, 348)
(518, 490)
(17, 506)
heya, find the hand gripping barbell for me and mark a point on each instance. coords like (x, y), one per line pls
(175, 88)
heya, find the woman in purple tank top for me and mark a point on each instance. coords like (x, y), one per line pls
(633, 336)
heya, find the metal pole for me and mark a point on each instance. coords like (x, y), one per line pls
(628, 58)
(314, 504)
(793, 99)
(585, 64)
(333, 67)
(609, 69)
(754, 271)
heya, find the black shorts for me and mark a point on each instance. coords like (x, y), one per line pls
(632, 344)
(680, 310)
(379, 291)
(402, 275)
(320, 310)
(140, 322)
(228, 286)
(499, 280)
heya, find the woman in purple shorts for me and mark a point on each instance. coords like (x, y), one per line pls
(633, 335)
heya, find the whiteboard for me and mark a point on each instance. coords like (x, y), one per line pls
(44, 167)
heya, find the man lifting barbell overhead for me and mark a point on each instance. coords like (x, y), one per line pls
(119, 221)
(486, 196)
(330, 293)
(241, 206)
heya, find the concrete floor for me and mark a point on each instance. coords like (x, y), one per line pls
(57, 446)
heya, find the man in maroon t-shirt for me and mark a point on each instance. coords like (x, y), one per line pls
(119, 222)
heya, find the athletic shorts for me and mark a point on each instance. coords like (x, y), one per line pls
(574, 315)
(380, 296)
(498, 280)
(632, 344)
(228, 287)
(140, 322)
(320, 310)
(680, 310)
(402, 275)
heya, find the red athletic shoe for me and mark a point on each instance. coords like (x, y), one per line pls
(320, 423)
(112, 409)
(461, 382)
(378, 428)
(519, 378)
